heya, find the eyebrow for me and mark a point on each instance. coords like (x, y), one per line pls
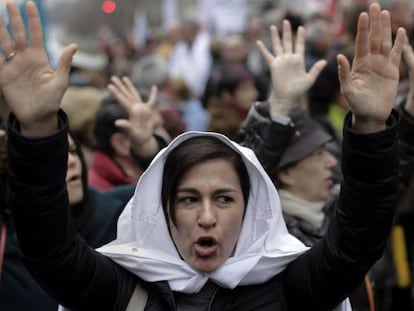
(218, 191)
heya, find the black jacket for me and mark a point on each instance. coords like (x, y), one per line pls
(82, 279)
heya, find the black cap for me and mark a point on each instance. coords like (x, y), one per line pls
(308, 137)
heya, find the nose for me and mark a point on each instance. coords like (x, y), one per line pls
(71, 159)
(207, 216)
(330, 160)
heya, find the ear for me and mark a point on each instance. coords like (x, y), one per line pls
(285, 178)
(121, 145)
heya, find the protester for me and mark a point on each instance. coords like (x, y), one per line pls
(197, 231)
(231, 100)
(94, 216)
(125, 136)
(294, 148)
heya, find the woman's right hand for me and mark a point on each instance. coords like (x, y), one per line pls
(31, 88)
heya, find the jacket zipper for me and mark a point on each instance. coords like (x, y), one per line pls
(212, 298)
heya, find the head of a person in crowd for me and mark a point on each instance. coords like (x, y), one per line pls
(254, 30)
(108, 138)
(326, 90)
(89, 64)
(236, 88)
(77, 187)
(306, 167)
(205, 215)
(319, 37)
(173, 33)
(87, 100)
(148, 71)
(401, 14)
(189, 30)
(76, 175)
(233, 49)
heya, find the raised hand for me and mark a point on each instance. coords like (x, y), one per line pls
(287, 67)
(408, 56)
(143, 117)
(370, 87)
(32, 89)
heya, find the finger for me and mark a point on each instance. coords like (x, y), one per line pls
(65, 63)
(343, 72)
(361, 40)
(277, 46)
(375, 37)
(265, 52)
(386, 33)
(122, 89)
(120, 97)
(132, 89)
(124, 125)
(6, 44)
(17, 27)
(317, 69)
(398, 47)
(287, 37)
(300, 41)
(152, 101)
(35, 26)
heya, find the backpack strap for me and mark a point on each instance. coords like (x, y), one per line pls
(138, 299)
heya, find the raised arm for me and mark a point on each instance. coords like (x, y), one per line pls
(32, 88)
(370, 87)
(359, 230)
(66, 267)
(142, 121)
(266, 129)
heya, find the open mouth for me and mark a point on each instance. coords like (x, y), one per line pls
(72, 179)
(206, 242)
(206, 246)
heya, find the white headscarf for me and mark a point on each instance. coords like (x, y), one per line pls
(144, 245)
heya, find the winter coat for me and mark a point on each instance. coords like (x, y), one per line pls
(322, 277)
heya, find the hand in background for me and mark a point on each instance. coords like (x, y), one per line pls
(142, 115)
(287, 67)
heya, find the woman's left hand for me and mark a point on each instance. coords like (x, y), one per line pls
(370, 88)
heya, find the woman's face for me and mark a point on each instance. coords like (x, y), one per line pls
(319, 165)
(209, 213)
(74, 174)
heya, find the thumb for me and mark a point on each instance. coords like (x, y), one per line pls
(317, 68)
(65, 61)
(343, 72)
(123, 124)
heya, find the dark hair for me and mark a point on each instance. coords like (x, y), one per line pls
(191, 152)
(230, 78)
(104, 126)
(82, 212)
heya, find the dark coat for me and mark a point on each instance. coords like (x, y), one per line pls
(95, 218)
(82, 279)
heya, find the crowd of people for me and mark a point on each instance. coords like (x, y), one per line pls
(268, 170)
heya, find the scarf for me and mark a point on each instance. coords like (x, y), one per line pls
(310, 212)
(144, 245)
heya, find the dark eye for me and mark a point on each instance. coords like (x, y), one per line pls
(223, 199)
(187, 200)
(72, 151)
